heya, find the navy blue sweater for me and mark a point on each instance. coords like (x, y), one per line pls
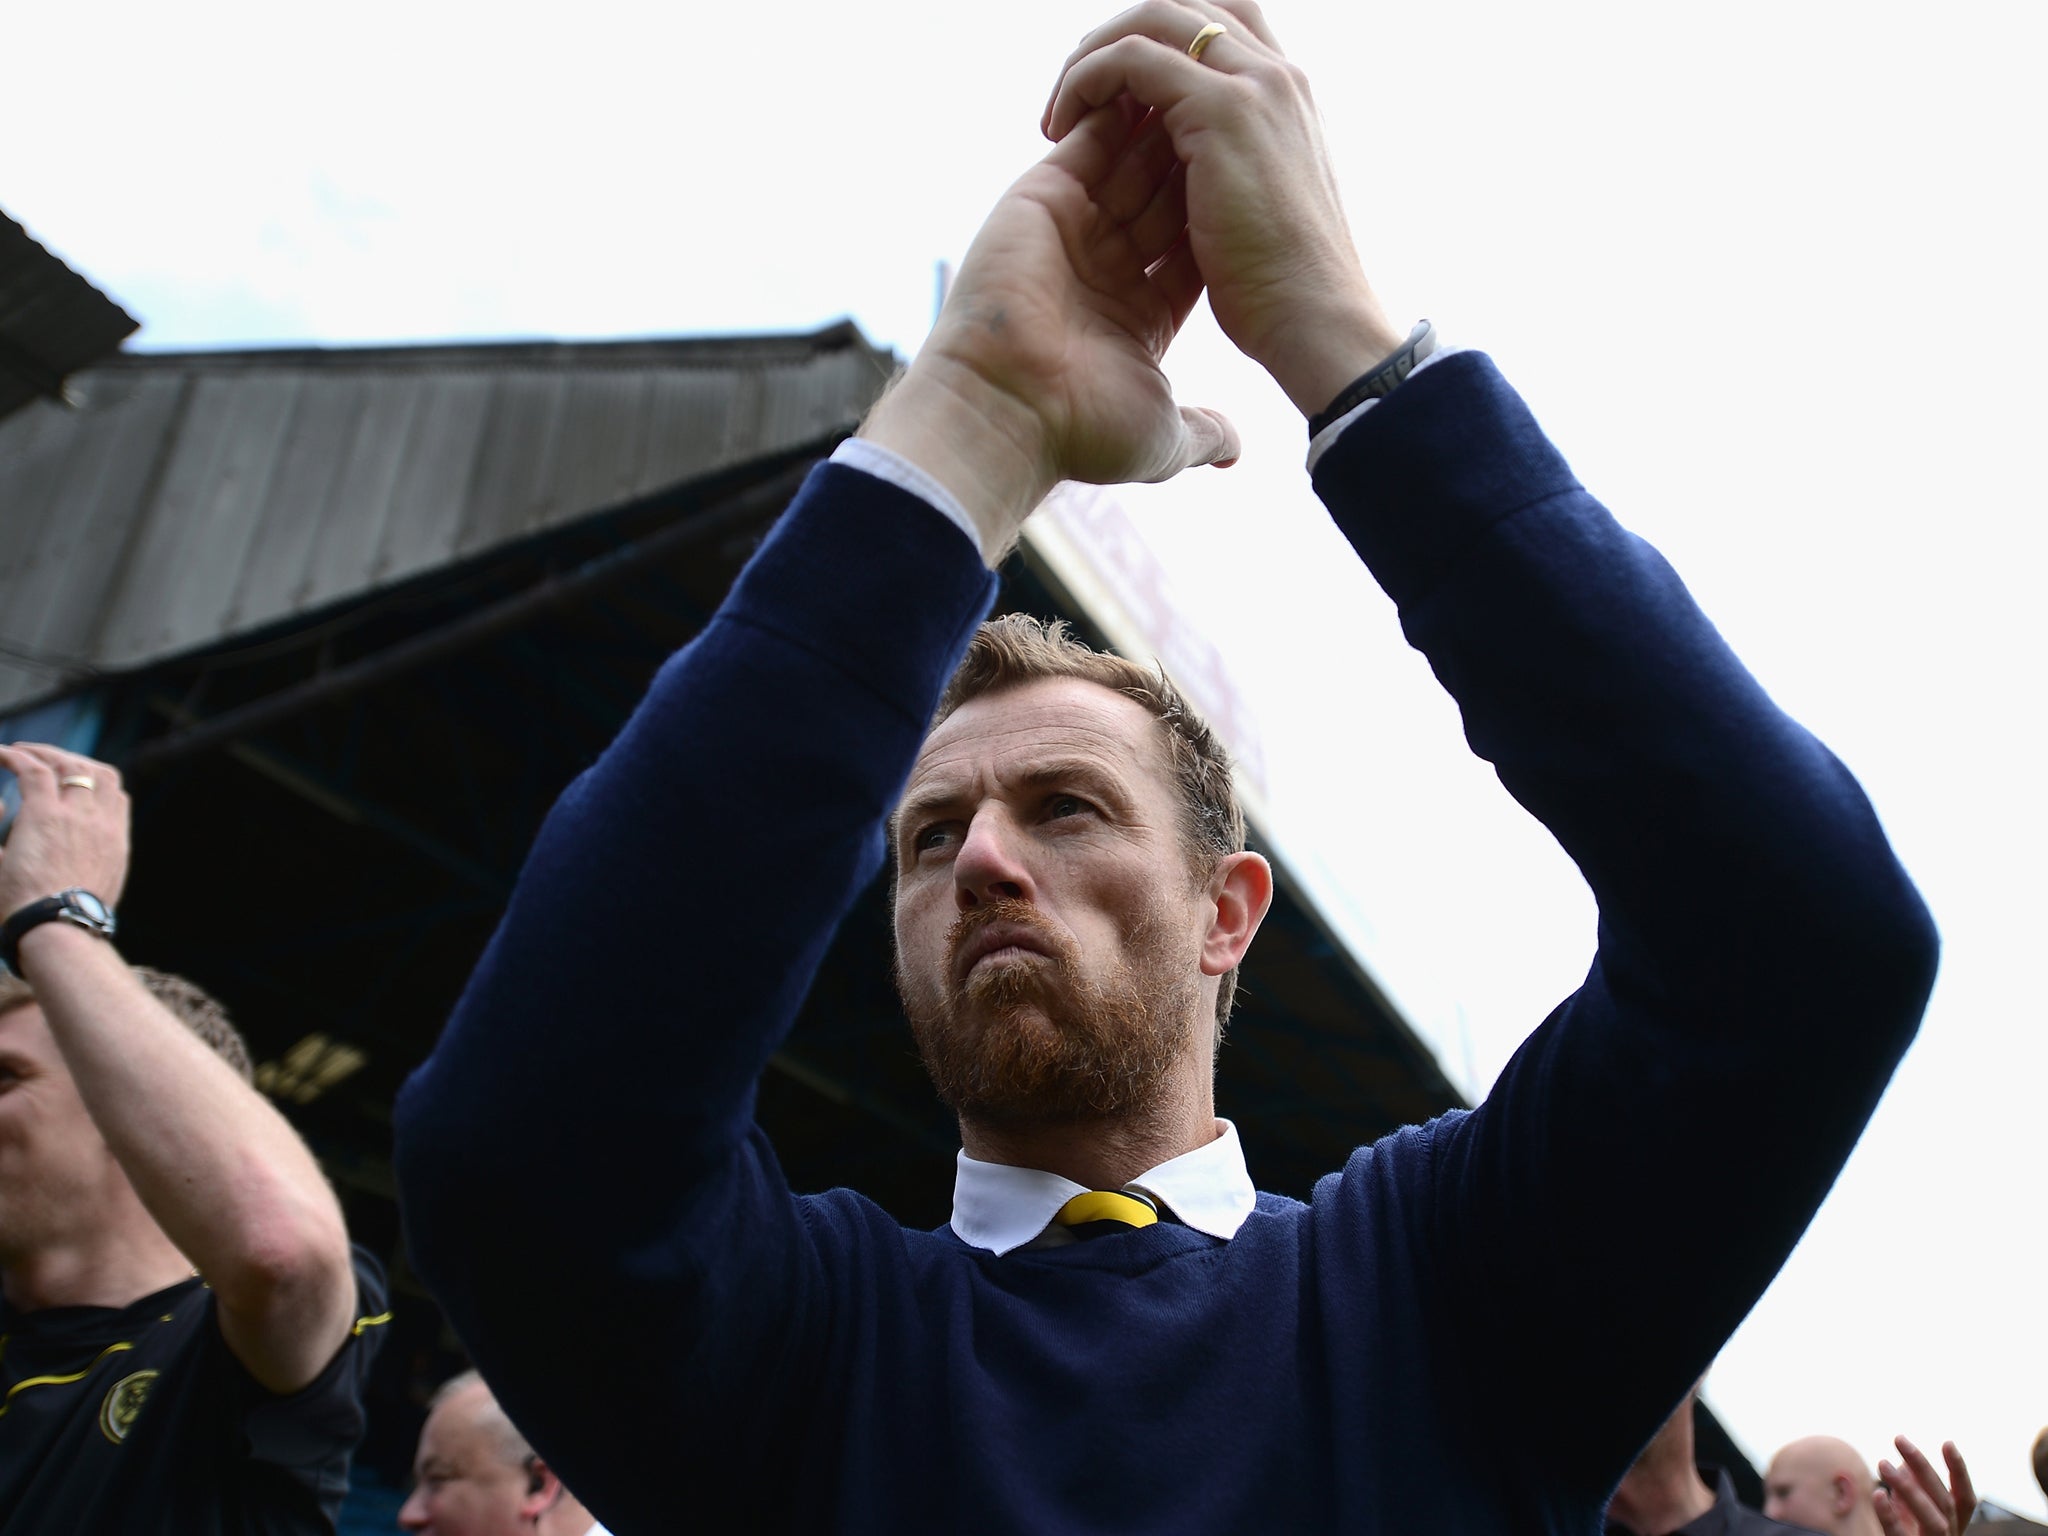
(1471, 1327)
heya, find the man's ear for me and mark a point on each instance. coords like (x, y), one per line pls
(1241, 887)
(544, 1490)
(1846, 1494)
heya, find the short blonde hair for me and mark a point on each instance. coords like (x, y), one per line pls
(194, 1007)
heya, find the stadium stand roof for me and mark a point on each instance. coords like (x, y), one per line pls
(52, 321)
(188, 497)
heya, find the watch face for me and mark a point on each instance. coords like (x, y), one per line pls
(89, 907)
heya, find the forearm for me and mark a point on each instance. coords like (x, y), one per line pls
(214, 1164)
(981, 447)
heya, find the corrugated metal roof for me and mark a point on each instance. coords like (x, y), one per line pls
(187, 497)
(52, 321)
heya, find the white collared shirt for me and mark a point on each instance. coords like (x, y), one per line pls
(1001, 1208)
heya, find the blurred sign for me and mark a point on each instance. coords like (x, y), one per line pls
(1083, 535)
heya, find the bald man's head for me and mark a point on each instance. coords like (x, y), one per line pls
(1821, 1483)
(475, 1475)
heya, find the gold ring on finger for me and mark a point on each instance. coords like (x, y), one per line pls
(1204, 38)
(76, 781)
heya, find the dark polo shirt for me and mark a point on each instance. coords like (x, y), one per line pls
(140, 1419)
(1728, 1517)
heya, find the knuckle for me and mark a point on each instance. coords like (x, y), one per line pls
(1241, 92)
(1245, 11)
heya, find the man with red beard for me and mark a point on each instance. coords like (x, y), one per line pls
(1072, 896)
(1115, 1332)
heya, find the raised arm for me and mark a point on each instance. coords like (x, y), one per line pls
(1763, 960)
(597, 1080)
(217, 1167)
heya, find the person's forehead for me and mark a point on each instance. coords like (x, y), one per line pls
(1797, 1462)
(1045, 718)
(451, 1429)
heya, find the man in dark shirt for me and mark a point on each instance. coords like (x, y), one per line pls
(1666, 1494)
(183, 1327)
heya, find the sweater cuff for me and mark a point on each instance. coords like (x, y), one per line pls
(887, 464)
(1321, 443)
(1416, 482)
(874, 579)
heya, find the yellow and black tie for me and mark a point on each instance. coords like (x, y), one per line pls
(1105, 1212)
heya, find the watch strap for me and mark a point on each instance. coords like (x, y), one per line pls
(50, 909)
(1378, 381)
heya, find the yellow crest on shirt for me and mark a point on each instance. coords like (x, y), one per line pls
(123, 1403)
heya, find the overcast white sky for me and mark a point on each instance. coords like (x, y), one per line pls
(1770, 274)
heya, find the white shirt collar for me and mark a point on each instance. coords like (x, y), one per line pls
(1001, 1208)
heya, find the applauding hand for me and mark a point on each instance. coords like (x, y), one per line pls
(1045, 361)
(1913, 1501)
(72, 829)
(1265, 226)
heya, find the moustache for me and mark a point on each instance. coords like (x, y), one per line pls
(1008, 912)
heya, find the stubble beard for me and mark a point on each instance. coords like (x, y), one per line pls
(1040, 1042)
(38, 1211)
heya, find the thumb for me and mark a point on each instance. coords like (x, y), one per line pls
(1211, 439)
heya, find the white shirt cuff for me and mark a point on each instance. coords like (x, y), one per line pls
(887, 464)
(1320, 443)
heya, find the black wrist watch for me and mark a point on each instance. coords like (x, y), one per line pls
(1377, 382)
(73, 906)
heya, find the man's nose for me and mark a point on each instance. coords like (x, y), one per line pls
(990, 865)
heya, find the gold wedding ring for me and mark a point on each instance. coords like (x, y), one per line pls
(76, 781)
(1204, 38)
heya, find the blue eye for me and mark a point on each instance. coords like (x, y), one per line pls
(1066, 805)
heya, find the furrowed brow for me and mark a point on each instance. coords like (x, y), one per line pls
(1085, 773)
(1080, 772)
(920, 803)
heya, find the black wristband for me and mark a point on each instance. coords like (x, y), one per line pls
(1377, 382)
(76, 905)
